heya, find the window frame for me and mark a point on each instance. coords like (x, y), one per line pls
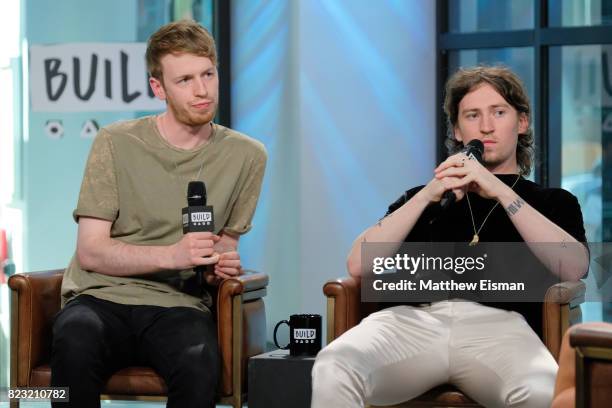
(222, 31)
(546, 110)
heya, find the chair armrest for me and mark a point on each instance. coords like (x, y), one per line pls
(561, 310)
(592, 337)
(241, 326)
(343, 305)
(571, 293)
(593, 362)
(35, 299)
(249, 281)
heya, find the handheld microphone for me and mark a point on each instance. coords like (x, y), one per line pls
(197, 216)
(196, 193)
(474, 151)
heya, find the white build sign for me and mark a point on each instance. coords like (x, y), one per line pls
(90, 77)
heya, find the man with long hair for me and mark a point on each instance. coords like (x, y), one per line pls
(490, 351)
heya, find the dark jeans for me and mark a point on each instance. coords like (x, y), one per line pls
(93, 338)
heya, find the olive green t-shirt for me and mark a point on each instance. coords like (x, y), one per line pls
(137, 180)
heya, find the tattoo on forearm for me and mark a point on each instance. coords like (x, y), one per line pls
(515, 206)
(379, 223)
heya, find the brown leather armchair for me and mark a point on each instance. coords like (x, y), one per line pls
(241, 324)
(593, 366)
(345, 310)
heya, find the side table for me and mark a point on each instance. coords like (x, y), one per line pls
(277, 380)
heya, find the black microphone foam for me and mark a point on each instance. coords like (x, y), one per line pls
(474, 150)
(196, 194)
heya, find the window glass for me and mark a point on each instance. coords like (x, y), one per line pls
(585, 98)
(154, 13)
(573, 13)
(489, 15)
(581, 95)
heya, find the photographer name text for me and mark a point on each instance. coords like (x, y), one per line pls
(430, 285)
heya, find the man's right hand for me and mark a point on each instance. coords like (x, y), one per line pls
(435, 189)
(194, 249)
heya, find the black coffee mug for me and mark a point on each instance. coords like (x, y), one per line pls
(304, 334)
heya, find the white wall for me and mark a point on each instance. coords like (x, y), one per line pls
(341, 93)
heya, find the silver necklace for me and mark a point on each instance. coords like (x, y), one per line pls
(476, 238)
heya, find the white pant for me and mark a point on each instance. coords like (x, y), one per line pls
(399, 353)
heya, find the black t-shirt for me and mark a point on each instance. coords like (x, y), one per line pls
(455, 225)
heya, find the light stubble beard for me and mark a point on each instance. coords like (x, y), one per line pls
(493, 162)
(188, 118)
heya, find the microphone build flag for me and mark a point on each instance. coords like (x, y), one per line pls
(197, 216)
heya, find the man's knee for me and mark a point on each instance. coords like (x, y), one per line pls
(334, 363)
(79, 320)
(77, 327)
(194, 377)
(336, 380)
(322, 367)
(535, 393)
(198, 358)
(78, 341)
(536, 398)
(201, 362)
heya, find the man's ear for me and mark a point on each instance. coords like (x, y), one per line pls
(457, 134)
(523, 123)
(158, 88)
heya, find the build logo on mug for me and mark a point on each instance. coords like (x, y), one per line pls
(304, 334)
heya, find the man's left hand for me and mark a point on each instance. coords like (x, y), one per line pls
(471, 175)
(228, 265)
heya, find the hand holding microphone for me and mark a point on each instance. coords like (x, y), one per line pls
(446, 187)
(204, 248)
(198, 226)
(195, 248)
(473, 150)
(468, 174)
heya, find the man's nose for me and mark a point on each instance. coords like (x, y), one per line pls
(199, 87)
(486, 124)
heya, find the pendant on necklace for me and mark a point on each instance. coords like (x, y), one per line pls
(474, 240)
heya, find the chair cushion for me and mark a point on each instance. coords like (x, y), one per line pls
(127, 381)
(445, 395)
